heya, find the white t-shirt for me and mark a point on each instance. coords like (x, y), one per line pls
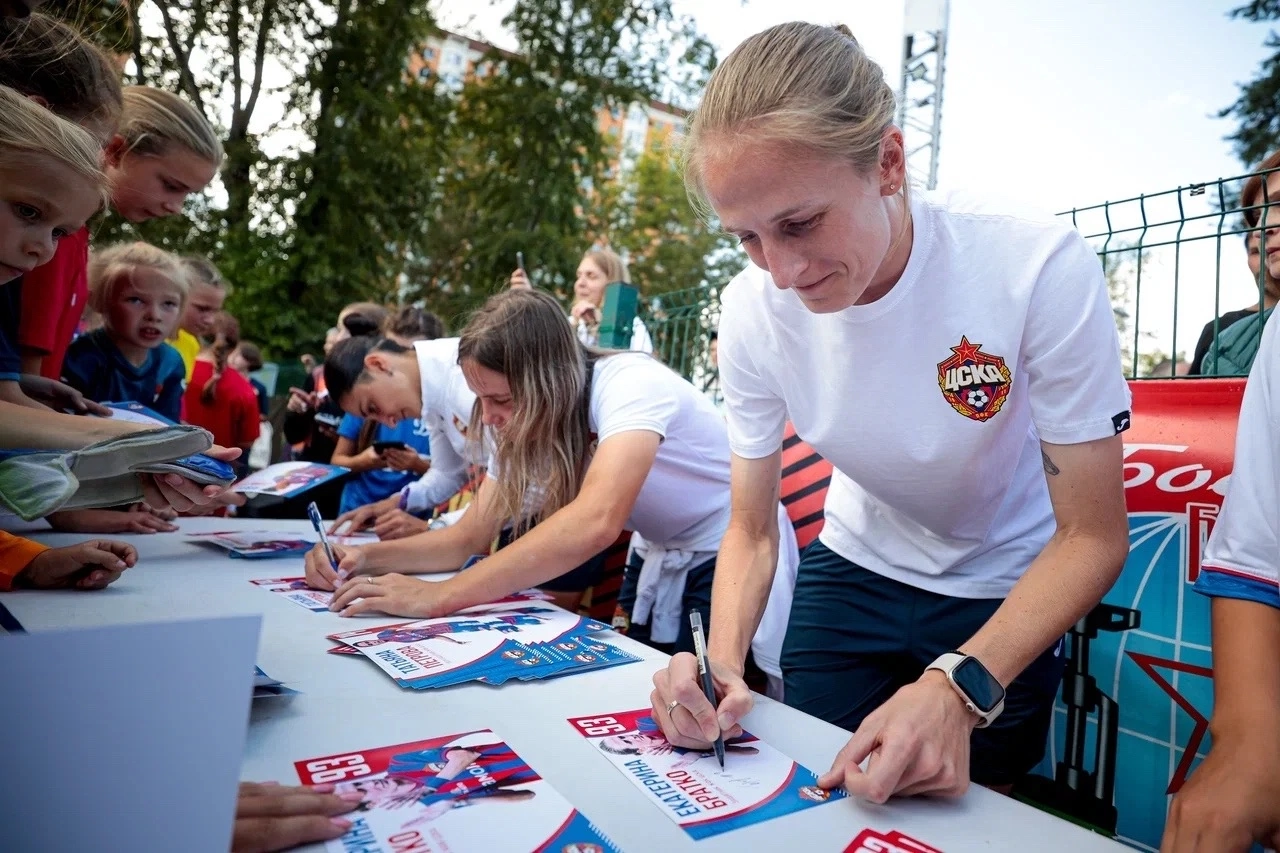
(931, 402)
(446, 411)
(1242, 558)
(640, 340)
(685, 498)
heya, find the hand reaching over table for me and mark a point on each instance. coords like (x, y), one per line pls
(272, 817)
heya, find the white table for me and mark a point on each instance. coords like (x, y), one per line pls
(348, 704)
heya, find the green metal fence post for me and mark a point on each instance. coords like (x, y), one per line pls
(619, 314)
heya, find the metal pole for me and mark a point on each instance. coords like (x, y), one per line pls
(941, 46)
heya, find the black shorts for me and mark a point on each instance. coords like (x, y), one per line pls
(697, 596)
(855, 637)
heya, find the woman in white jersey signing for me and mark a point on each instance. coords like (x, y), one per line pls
(958, 365)
(586, 443)
(383, 380)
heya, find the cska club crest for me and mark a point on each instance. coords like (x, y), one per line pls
(975, 383)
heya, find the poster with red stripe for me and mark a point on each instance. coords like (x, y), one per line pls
(461, 793)
(757, 783)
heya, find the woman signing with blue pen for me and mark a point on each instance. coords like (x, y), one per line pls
(586, 443)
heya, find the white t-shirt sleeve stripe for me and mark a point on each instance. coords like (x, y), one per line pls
(1058, 356)
(755, 414)
(1242, 558)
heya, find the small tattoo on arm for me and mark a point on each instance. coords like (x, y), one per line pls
(1049, 468)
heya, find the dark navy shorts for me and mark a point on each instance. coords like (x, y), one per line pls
(579, 579)
(855, 637)
(697, 596)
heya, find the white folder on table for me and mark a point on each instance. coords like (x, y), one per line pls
(124, 738)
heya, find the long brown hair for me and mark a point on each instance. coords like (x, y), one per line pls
(543, 449)
(226, 337)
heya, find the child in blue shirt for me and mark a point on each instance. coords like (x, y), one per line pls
(140, 292)
(379, 475)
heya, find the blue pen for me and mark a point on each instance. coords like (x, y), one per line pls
(313, 512)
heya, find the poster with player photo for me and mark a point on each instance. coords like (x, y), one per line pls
(757, 783)
(462, 793)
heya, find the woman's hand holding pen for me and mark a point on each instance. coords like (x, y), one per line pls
(321, 575)
(681, 708)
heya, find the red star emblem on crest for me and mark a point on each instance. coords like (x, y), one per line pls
(1148, 664)
(968, 352)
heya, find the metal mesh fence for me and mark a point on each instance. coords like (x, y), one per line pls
(1177, 268)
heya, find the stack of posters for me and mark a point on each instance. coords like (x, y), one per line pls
(757, 783)
(504, 641)
(464, 793)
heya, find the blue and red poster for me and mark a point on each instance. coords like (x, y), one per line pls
(757, 783)
(457, 793)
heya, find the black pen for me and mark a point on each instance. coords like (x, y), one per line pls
(704, 672)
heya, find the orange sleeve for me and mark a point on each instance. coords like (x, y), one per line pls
(16, 554)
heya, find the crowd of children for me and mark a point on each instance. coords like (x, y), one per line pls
(926, 619)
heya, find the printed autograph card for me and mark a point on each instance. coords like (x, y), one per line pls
(758, 783)
(297, 591)
(463, 793)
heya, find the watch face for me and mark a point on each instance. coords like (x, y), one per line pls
(978, 684)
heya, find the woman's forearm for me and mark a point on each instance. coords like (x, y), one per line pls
(739, 593)
(1246, 668)
(442, 550)
(567, 539)
(1062, 584)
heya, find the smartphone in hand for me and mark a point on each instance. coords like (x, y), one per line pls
(381, 447)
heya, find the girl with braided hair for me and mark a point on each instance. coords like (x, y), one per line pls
(218, 397)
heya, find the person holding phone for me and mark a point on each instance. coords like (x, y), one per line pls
(598, 269)
(384, 458)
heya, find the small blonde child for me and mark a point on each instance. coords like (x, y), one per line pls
(50, 183)
(140, 291)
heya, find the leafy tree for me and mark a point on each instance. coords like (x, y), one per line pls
(647, 214)
(331, 218)
(1257, 110)
(526, 148)
(679, 261)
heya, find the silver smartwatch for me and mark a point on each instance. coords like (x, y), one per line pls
(983, 695)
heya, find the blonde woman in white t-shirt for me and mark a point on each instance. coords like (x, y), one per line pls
(958, 364)
(586, 443)
(598, 269)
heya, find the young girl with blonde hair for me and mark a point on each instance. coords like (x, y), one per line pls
(957, 362)
(50, 63)
(586, 443)
(139, 290)
(163, 150)
(51, 181)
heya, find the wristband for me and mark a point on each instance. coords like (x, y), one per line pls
(404, 499)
